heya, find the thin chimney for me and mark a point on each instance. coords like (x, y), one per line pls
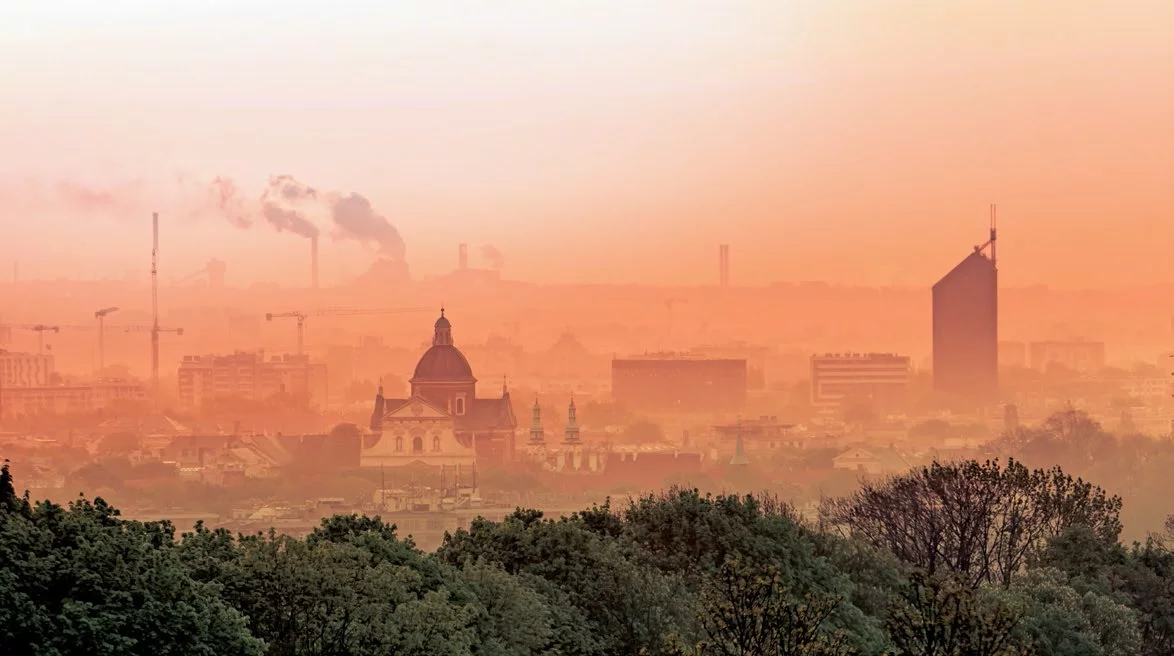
(463, 257)
(723, 263)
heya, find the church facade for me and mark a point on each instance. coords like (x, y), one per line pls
(442, 422)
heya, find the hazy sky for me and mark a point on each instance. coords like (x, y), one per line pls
(843, 140)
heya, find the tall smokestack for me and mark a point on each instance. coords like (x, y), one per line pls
(723, 263)
(314, 262)
(463, 257)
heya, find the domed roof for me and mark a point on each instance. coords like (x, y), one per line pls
(443, 362)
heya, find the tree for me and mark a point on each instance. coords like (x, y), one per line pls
(643, 431)
(1060, 621)
(119, 443)
(943, 616)
(1142, 577)
(624, 605)
(748, 612)
(81, 580)
(981, 522)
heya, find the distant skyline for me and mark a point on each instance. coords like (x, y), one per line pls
(849, 141)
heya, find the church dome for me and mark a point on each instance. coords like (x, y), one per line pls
(443, 362)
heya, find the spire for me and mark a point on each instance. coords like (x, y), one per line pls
(739, 459)
(537, 433)
(505, 390)
(571, 434)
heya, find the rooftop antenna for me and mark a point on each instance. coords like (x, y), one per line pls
(991, 241)
(994, 259)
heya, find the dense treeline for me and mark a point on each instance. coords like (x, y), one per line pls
(976, 559)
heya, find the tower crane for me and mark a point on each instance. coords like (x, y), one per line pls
(41, 329)
(333, 312)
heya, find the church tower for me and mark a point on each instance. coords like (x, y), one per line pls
(536, 447)
(537, 433)
(571, 434)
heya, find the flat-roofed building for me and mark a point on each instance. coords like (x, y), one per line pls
(675, 383)
(1077, 355)
(67, 399)
(25, 369)
(250, 375)
(837, 377)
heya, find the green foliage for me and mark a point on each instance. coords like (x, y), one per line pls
(627, 607)
(748, 612)
(943, 616)
(1140, 578)
(81, 580)
(964, 559)
(1060, 621)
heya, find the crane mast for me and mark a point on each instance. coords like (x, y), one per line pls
(155, 306)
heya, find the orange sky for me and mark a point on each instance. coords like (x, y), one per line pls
(842, 140)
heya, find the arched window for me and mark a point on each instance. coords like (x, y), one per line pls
(399, 442)
(417, 444)
(435, 442)
(460, 405)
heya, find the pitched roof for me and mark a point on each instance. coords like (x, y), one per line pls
(488, 414)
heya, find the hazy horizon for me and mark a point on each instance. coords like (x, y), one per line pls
(857, 142)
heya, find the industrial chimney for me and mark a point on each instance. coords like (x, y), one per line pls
(723, 263)
(463, 257)
(314, 262)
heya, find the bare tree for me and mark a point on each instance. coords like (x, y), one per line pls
(981, 522)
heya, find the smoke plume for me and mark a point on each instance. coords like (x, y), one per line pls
(285, 203)
(493, 257)
(280, 205)
(230, 202)
(354, 218)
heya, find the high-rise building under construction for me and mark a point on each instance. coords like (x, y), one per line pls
(966, 327)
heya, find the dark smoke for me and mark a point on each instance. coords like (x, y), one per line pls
(286, 187)
(493, 256)
(277, 204)
(354, 218)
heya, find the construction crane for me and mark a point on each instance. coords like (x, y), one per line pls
(40, 329)
(333, 312)
(101, 315)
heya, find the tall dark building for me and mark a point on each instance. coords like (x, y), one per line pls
(966, 328)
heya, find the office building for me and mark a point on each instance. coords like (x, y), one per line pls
(966, 329)
(879, 377)
(679, 384)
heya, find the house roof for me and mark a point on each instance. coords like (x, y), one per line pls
(885, 457)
